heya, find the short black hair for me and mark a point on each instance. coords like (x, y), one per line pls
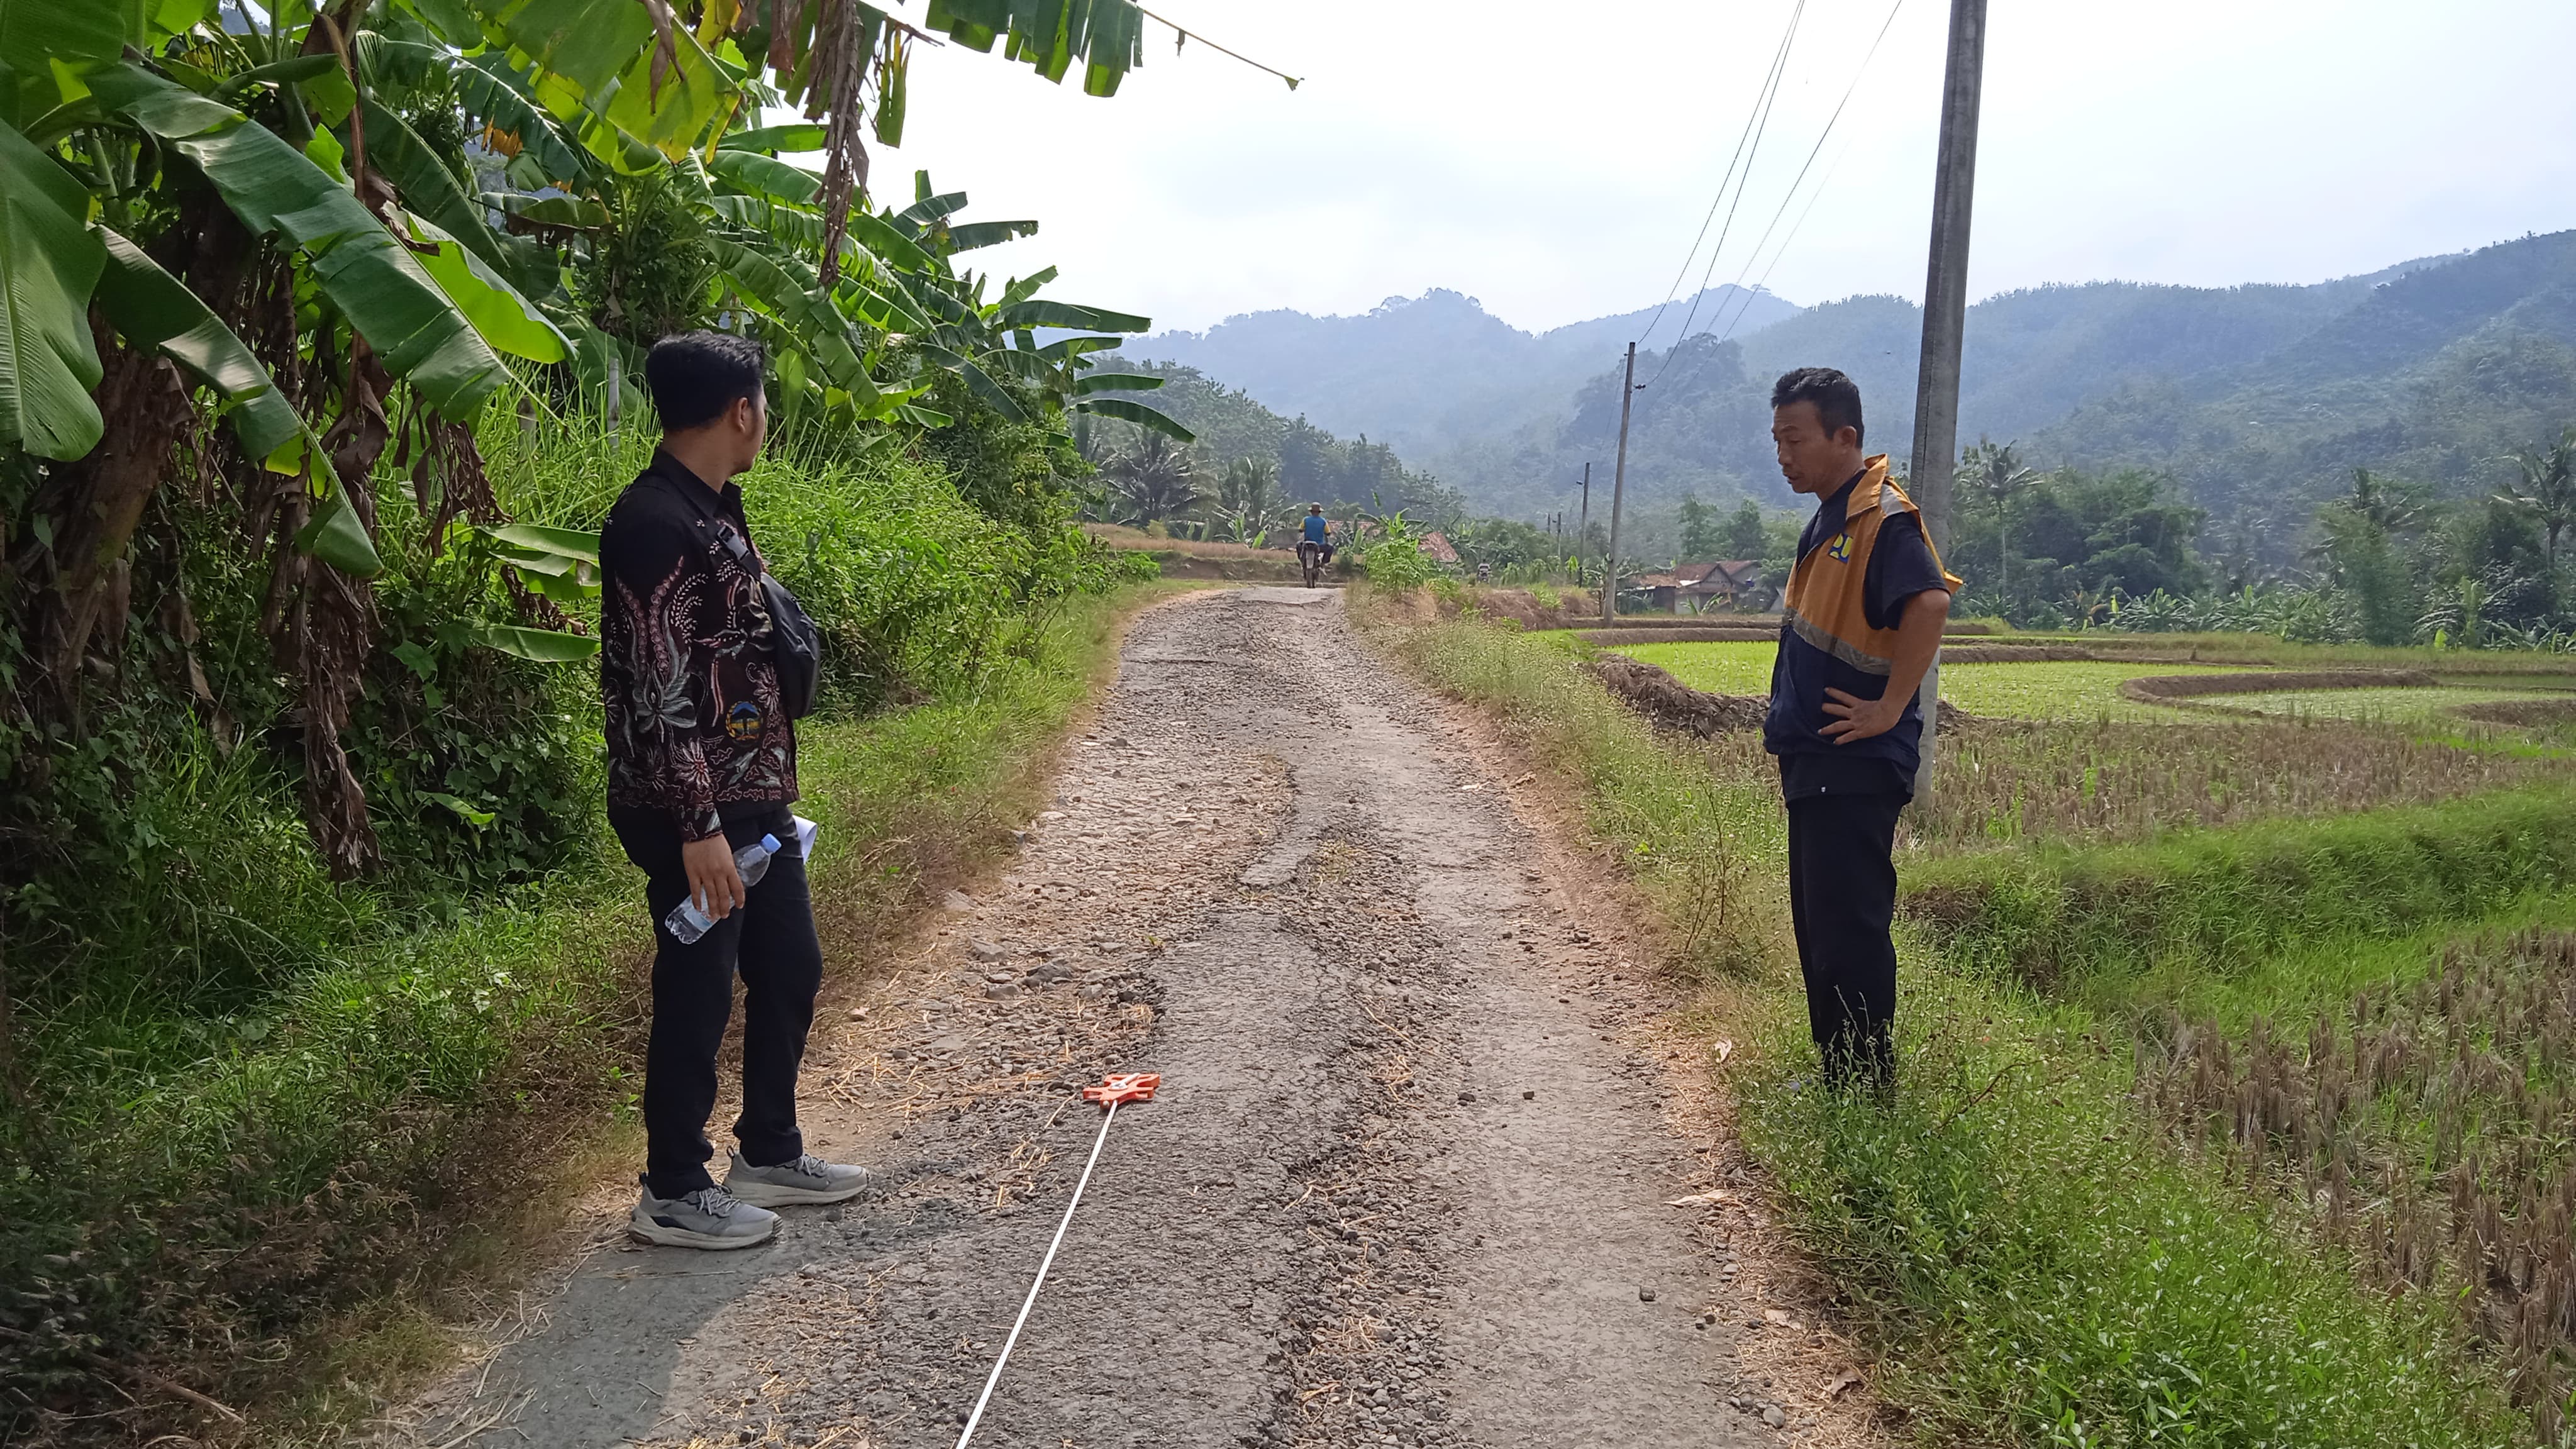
(1837, 398)
(696, 376)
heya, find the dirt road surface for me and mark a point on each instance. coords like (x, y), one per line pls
(1410, 1179)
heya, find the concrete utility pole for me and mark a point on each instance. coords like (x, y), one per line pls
(1945, 317)
(1583, 525)
(1618, 491)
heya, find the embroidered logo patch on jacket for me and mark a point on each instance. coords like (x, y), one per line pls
(742, 723)
(1840, 549)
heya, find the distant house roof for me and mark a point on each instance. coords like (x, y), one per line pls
(1657, 581)
(1720, 576)
(1436, 545)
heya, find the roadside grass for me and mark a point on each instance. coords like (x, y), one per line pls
(2037, 1267)
(2032, 1257)
(1699, 841)
(221, 1224)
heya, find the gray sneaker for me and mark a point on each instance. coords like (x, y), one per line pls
(708, 1218)
(809, 1179)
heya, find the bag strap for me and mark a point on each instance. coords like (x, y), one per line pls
(740, 548)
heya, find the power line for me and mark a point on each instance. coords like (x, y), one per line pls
(1768, 89)
(1792, 194)
(1760, 127)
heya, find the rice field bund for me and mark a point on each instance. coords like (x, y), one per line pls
(2238, 1025)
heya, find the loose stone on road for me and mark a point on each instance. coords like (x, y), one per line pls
(1410, 1179)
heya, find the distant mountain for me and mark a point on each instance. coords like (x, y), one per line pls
(2257, 400)
(1427, 374)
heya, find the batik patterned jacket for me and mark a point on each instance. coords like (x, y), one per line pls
(687, 673)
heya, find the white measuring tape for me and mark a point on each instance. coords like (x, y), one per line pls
(1127, 1087)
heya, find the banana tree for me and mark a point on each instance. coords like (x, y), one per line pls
(237, 222)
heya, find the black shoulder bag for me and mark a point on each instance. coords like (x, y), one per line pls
(795, 640)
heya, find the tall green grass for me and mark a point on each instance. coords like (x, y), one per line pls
(2030, 1260)
(2038, 1267)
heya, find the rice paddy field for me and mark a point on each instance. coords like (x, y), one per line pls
(2434, 706)
(2238, 1037)
(2071, 690)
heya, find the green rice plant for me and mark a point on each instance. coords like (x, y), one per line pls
(2213, 900)
(2000, 781)
(2423, 1130)
(2038, 1270)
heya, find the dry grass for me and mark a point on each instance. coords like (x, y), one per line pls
(2425, 1132)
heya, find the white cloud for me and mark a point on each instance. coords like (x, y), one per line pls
(1555, 161)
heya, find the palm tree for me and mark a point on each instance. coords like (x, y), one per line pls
(2548, 490)
(1154, 479)
(2386, 502)
(2001, 476)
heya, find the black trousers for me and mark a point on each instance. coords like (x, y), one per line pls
(770, 941)
(1842, 901)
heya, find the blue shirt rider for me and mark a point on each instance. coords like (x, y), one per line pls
(1318, 532)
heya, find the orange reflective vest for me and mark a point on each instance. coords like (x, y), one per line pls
(1825, 636)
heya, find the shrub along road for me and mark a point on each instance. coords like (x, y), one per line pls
(1409, 1180)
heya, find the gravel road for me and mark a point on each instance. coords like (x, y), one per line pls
(1409, 1180)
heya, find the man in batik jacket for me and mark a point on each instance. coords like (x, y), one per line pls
(702, 762)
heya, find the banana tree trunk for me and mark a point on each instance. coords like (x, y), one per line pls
(97, 504)
(10, 1081)
(331, 630)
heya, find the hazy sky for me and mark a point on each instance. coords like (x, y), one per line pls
(1555, 159)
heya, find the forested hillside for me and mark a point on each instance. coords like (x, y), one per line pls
(2258, 400)
(1428, 373)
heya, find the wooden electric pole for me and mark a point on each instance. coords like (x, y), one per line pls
(1618, 491)
(1945, 318)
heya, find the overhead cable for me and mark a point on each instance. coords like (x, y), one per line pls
(1746, 303)
(1758, 112)
(1741, 187)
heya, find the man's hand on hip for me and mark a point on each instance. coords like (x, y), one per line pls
(1855, 718)
(714, 883)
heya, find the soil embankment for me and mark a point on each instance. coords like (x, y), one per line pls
(1411, 1179)
(2166, 688)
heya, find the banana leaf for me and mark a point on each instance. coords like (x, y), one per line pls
(767, 176)
(430, 190)
(979, 234)
(156, 311)
(419, 334)
(1116, 382)
(52, 261)
(1130, 411)
(770, 140)
(506, 321)
(1067, 314)
(572, 543)
(545, 646)
(502, 99)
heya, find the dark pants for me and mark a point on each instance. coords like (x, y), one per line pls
(771, 941)
(1842, 900)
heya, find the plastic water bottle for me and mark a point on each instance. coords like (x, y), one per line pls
(687, 923)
